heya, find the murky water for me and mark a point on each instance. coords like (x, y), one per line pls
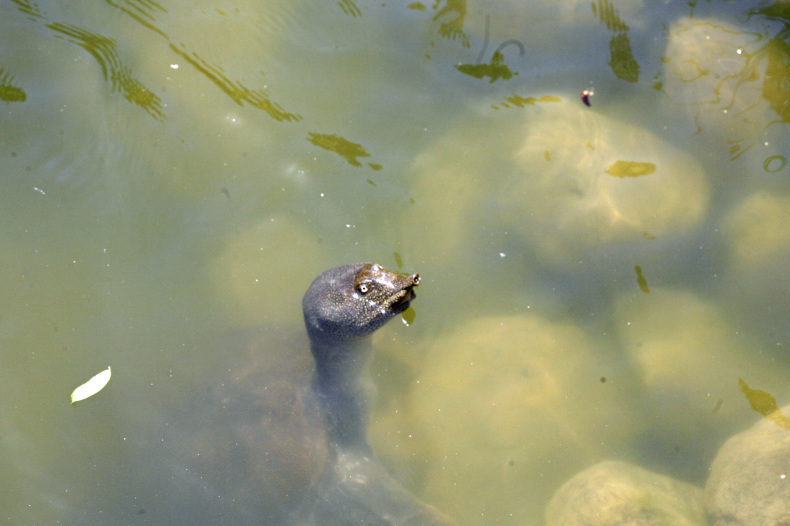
(595, 279)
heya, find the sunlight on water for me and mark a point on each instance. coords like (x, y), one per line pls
(599, 282)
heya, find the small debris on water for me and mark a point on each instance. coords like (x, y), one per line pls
(586, 94)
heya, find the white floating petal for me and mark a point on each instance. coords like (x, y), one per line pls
(91, 387)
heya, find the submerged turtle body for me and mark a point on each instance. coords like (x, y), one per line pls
(287, 442)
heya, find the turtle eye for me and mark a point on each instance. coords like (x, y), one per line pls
(363, 288)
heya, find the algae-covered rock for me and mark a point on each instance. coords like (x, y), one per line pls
(717, 73)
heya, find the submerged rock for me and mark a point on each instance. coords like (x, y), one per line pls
(756, 282)
(749, 483)
(507, 408)
(561, 184)
(729, 85)
(688, 369)
(584, 184)
(616, 493)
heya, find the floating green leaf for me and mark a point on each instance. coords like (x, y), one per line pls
(334, 143)
(765, 404)
(630, 169)
(408, 316)
(641, 281)
(91, 387)
(496, 70)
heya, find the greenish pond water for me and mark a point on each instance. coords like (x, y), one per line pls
(595, 279)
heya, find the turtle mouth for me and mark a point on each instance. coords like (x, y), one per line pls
(401, 300)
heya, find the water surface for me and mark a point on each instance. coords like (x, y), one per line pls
(174, 173)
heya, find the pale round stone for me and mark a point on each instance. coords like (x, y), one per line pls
(585, 182)
(566, 183)
(749, 483)
(616, 494)
(756, 284)
(759, 231)
(508, 407)
(689, 360)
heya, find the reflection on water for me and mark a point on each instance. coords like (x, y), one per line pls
(113, 70)
(151, 244)
(234, 90)
(451, 14)
(519, 102)
(622, 62)
(9, 92)
(104, 50)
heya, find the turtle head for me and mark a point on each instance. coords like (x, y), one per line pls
(353, 301)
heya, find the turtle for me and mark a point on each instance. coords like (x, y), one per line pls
(286, 440)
